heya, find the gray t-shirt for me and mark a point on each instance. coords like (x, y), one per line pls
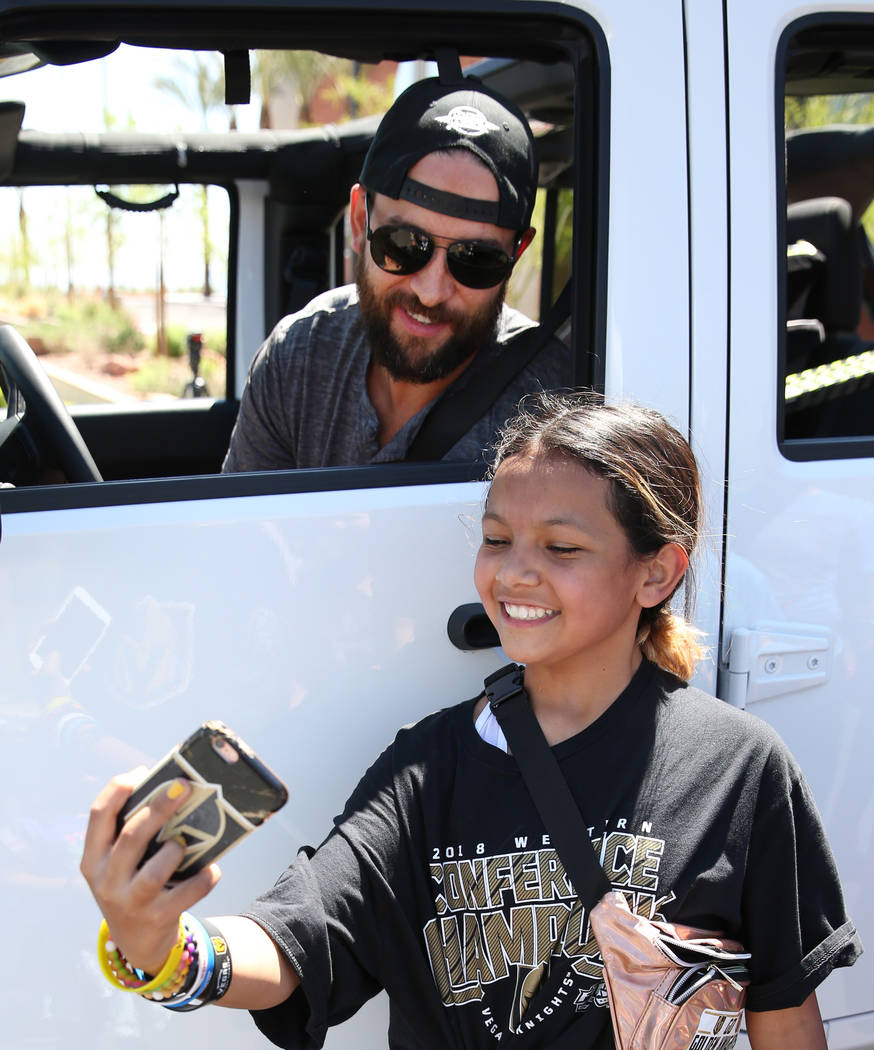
(306, 403)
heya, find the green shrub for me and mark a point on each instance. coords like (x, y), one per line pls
(84, 324)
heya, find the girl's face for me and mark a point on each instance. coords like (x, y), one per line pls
(555, 572)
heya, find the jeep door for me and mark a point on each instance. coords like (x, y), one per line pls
(306, 609)
(797, 635)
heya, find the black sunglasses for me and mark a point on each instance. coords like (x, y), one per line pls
(404, 250)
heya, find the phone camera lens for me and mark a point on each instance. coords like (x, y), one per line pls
(224, 749)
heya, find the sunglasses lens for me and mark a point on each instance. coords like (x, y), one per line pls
(478, 265)
(400, 249)
(404, 250)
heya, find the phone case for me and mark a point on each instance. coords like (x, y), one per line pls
(233, 792)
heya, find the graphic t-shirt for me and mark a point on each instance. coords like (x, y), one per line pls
(439, 882)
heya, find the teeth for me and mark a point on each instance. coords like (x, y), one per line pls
(420, 318)
(527, 612)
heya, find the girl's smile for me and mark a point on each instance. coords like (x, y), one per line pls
(531, 613)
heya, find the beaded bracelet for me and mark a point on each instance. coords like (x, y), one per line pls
(217, 978)
(121, 974)
(194, 997)
(200, 971)
(179, 980)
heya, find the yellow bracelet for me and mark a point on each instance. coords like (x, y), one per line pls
(123, 976)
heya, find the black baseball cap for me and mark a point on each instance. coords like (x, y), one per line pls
(432, 115)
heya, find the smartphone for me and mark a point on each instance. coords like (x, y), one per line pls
(233, 792)
(73, 634)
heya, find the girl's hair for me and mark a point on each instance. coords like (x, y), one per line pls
(654, 490)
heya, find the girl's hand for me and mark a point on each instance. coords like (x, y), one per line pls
(141, 911)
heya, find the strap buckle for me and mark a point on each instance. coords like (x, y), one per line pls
(504, 684)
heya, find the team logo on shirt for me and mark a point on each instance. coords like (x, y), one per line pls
(717, 1030)
(512, 916)
(528, 980)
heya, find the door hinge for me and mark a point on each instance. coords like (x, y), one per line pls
(772, 659)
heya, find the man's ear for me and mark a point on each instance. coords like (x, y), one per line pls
(526, 238)
(665, 569)
(357, 217)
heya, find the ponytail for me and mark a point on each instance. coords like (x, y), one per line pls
(669, 641)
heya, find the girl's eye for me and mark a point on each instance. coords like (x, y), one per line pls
(493, 542)
(562, 548)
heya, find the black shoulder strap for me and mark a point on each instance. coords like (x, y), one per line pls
(546, 784)
(455, 413)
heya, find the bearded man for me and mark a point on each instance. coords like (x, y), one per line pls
(440, 215)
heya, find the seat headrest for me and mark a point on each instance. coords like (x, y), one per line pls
(835, 297)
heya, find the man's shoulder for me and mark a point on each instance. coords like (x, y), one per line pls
(550, 365)
(336, 306)
(330, 319)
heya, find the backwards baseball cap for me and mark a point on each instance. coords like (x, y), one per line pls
(432, 115)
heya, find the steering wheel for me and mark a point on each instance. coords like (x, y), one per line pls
(43, 421)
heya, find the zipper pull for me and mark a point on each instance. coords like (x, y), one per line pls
(726, 977)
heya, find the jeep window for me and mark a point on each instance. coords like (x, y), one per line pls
(827, 372)
(123, 302)
(276, 194)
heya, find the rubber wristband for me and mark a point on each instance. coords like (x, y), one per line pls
(220, 979)
(191, 1000)
(223, 971)
(147, 985)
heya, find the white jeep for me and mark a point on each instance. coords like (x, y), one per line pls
(719, 272)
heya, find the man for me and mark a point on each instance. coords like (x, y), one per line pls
(439, 217)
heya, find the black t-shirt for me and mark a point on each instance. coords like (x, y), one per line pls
(440, 885)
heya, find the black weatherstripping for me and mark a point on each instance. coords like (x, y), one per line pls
(232, 486)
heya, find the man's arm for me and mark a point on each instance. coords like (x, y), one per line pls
(797, 1028)
(259, 440)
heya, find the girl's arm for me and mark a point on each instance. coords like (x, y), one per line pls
(262, 975)
(798, 1028)
(143, 913)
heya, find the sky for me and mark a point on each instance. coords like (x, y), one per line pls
(70, 98)
(74, 99)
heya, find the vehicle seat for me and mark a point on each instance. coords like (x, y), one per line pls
(828, 365)
(834, 285)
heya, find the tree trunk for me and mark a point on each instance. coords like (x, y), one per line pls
(207, 246)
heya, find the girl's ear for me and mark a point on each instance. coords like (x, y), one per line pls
(665, 570)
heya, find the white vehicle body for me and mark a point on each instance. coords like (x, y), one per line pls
(314, 622)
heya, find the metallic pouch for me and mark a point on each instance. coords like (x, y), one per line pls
(670, 987)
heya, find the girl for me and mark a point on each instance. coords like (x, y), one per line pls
(699, 814)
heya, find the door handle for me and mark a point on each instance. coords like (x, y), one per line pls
(469, 629)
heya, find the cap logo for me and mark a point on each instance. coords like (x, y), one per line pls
(467, 120)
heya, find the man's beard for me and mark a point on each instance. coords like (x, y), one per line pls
(469, 332)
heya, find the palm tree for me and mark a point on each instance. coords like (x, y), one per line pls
(304, 72)
(200, 86)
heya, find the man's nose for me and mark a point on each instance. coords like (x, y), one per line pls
(433, 284)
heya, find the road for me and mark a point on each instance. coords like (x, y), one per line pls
(188, 309)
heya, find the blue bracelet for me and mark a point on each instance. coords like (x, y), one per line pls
(191, 1000)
